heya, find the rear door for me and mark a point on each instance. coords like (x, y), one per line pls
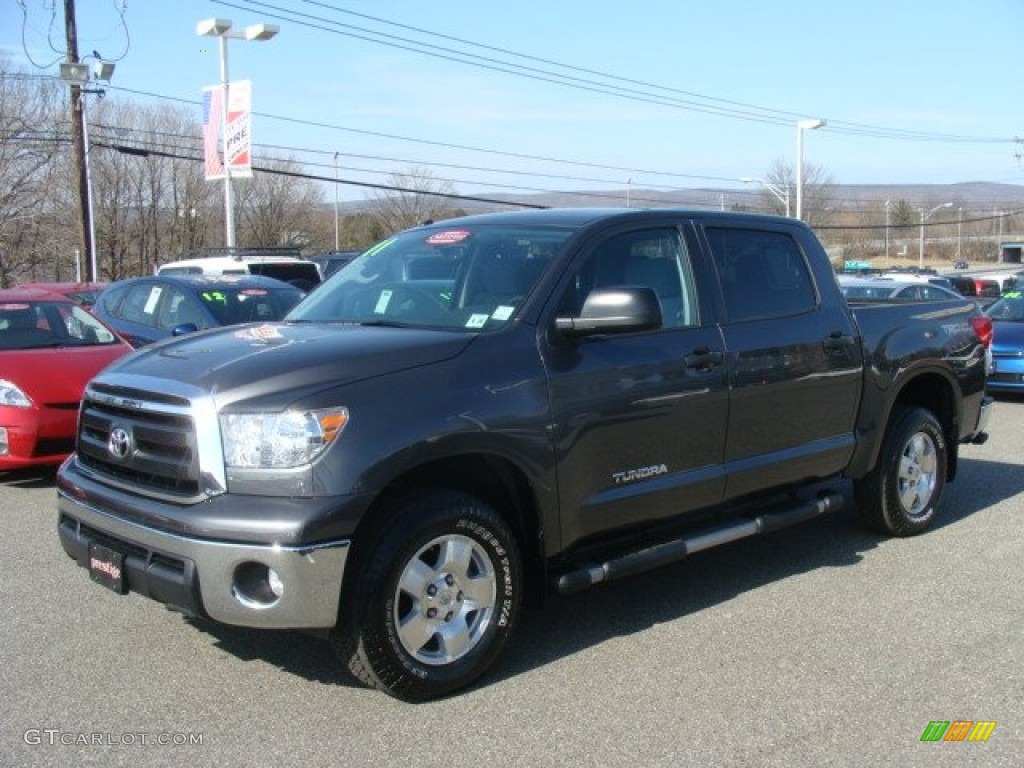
(794, 363)
(638, 420)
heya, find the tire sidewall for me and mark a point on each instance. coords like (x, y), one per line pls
(897, 519)
(402, 674)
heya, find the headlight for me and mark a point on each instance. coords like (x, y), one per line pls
(279, 440)
(11, 395)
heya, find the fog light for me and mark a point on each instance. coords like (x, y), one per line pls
(276, 585)
(4, 446)
(257, 586)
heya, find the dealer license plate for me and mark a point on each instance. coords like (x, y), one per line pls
(106, 567)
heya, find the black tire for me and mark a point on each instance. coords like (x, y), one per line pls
(436, 600)
(901, 495)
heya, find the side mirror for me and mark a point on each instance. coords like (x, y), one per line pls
(181, 330)
(623, 309)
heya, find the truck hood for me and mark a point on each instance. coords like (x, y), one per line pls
(289, 360)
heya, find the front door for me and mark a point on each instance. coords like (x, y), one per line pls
(638, 419)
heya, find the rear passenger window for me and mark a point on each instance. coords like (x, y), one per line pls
(762, 274)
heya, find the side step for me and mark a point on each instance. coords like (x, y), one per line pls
(671, 551)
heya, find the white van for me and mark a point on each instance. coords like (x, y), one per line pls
(299, 272)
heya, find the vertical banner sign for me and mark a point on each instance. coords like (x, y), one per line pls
(239, 135)
(240, 128)
(213, 106)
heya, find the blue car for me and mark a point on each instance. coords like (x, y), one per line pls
(1007, 343)
(147, 309)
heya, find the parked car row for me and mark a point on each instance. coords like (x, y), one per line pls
(50, 346)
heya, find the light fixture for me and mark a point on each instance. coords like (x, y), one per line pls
(76, 73)
(808, 124)
(222, 28)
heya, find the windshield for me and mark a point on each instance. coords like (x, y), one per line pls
(458, 277)
(42, 324)
(1010, 307)
(236, 304)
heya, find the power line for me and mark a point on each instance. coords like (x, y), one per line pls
(694, 101)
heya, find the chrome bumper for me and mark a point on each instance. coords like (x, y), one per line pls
(227, 576)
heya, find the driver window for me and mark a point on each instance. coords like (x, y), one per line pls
(653, 258)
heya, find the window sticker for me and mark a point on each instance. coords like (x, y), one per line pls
(477, 321)
(382, 302)
(152, 299)
(380, 247)
(253, 292)
(503, 312)
(448, 237)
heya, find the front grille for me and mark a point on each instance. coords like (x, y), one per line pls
(158, 440)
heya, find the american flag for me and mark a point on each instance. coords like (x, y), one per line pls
(213, 105)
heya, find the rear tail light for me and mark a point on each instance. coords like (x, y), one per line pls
(982, 325)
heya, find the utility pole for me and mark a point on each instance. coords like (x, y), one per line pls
(78, 149)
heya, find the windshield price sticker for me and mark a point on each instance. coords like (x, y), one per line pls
(448, 237)
(382, 302)
(503, 312)
(477, 321)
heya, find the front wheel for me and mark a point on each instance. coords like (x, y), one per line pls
(436, 601)
(900, 496)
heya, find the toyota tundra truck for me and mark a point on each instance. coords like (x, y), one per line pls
(504, 405)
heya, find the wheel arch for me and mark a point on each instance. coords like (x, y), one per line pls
(932, 390)
(495, 480)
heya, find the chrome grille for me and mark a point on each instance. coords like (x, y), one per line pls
(161, 456)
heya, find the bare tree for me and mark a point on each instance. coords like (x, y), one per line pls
(816, 197)
(420, 197)
(30, 202)
(278, 207)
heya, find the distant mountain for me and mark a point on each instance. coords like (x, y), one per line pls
(979, 195)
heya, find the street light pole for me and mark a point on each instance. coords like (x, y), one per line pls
(803, 125)
(221, 28)
(924, 218)
(781, 195)
(887, 204)
(337, 231)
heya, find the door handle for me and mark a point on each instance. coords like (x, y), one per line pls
(838, 341)
(703, 359)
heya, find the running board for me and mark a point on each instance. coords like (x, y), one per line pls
(671, 551)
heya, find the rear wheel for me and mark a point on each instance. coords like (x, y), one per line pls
(900, 496)
(437, 598)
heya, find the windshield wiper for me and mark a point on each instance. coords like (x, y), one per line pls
(384, 324)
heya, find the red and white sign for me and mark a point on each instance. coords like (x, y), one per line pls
(239, 129)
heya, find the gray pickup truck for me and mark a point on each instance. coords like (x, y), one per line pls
(483, 408)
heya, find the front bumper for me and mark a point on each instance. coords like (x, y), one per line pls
(1007, 374)
(36, 436)
(214, 579)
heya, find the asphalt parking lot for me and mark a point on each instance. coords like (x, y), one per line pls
(821, 645)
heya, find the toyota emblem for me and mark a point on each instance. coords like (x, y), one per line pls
(119, 443)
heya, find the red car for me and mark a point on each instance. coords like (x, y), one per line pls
(49, 348)
(83, 294)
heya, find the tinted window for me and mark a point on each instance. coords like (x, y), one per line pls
(232, 304)
(653, 258)
(140, 304)
(762, 274)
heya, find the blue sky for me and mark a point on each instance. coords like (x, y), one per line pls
(913, 92)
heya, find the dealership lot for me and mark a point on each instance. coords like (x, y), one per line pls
(818, 645)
